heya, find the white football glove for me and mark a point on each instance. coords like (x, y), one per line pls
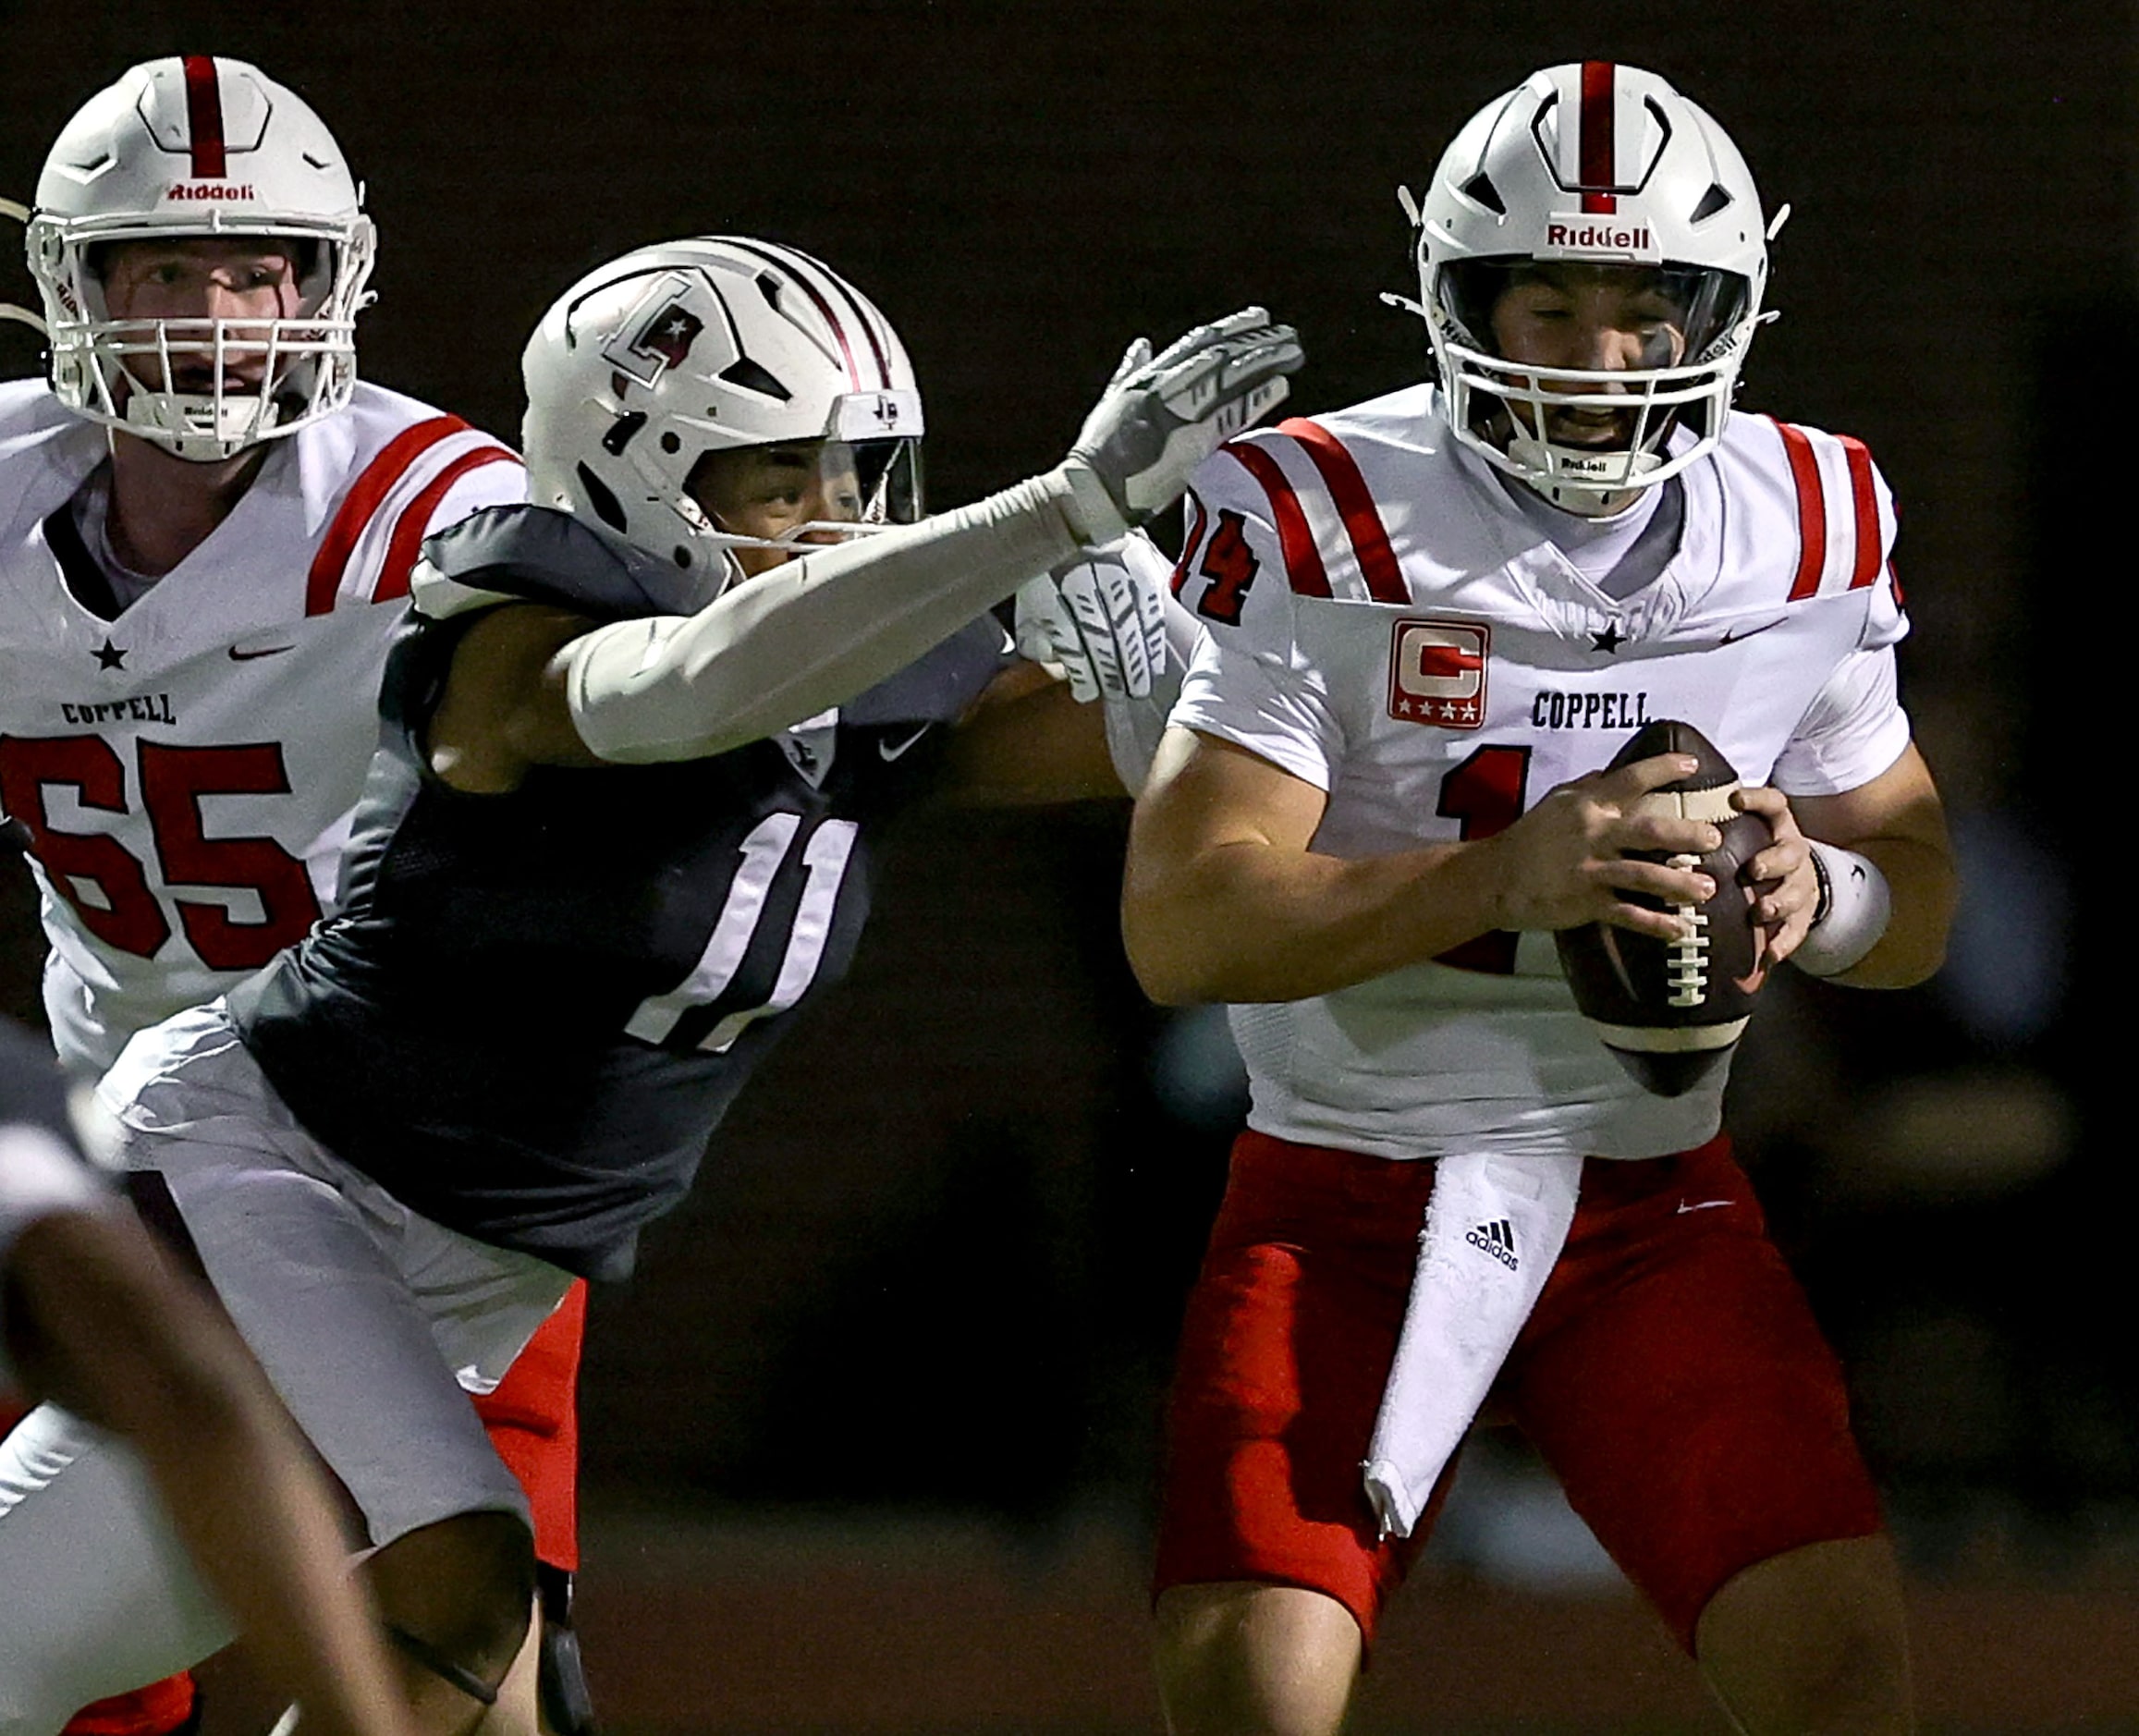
(1163, 415)
(1109, 625)
(1099, 623)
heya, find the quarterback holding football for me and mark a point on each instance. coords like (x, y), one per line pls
(1431, 622)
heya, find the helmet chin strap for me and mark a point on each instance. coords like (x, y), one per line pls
(1543, 472)
(201, 427)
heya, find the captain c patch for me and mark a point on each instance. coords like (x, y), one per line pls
(1437, 673)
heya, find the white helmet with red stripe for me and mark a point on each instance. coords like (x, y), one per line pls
(675, 351)
(1591, 164)
(199, 146)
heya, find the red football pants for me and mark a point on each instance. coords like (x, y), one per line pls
(1671, 1375)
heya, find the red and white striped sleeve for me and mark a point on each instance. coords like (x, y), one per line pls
(1243, 566)
(1847, 523)
(433, 473)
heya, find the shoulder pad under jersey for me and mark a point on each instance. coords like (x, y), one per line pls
(941, 684)
(539, 554)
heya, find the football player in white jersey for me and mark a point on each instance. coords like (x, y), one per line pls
(1431, 620)
(91, 1315)
(207, 524)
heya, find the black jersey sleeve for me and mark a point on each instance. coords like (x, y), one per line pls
(939, 686)
(540, 555)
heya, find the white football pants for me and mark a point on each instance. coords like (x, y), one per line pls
(371, 1322)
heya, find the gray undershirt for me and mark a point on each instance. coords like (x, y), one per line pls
(1619, 555)
(90, 509)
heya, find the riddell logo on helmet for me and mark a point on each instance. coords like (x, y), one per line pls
(210, 190)
(1574, 235)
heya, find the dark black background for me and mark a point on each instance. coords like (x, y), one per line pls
(950, 1224)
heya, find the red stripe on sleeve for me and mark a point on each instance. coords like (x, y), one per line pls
(362, 500)
(1812, 512)
(1598, 153)
(1866, 500)
(1340, 474)
(204, 117)
(409, 529)
(1295, 541)
(1188, 547)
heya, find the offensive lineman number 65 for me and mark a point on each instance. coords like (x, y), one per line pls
(124, 913)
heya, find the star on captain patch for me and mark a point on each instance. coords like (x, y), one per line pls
(108, 655)
(1609, 641)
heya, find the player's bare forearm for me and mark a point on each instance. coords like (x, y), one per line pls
(504, 710)
(1223, 901)
(1926, 888)
(1248, 921)
(118, 1338)
(1898, 823)
(1027, 742)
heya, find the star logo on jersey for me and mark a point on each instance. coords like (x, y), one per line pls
(1437, 673)
(1609, 641)
(108, 655)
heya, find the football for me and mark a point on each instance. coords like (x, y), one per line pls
(1671, 1010)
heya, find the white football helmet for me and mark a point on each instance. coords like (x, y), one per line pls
(673, 352)
(199, 145)
(1592, 163)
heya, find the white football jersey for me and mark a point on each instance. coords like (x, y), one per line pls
(1386, 623)
(186, 766)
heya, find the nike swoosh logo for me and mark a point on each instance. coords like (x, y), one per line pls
(265, 650)
(1734, 636)
(1702, 1205)
(892, 752)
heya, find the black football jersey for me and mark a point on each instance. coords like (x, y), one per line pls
(532, 1009)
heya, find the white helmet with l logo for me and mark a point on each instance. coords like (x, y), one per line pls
(1591, 163)
(643, 368)
(199, 146)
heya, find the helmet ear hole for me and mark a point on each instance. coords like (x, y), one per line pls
(603, 499)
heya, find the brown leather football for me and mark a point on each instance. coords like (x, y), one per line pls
(1671, 1010)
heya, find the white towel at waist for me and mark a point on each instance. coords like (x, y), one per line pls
(1494, 1227)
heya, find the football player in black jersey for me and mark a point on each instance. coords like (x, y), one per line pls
(92, 1316)
(634, 742)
